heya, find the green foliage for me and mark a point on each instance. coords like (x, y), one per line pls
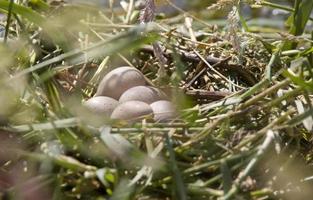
(245, 95)
(303, 11)
(25, 12)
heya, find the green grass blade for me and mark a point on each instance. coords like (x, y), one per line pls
(226, 175)
(299, 81)
(39, 4)
(178, 181)
(25, 12)
(62, 123)
(7, 26)
(301, 17)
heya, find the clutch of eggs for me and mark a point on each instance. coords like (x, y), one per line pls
(124, 94)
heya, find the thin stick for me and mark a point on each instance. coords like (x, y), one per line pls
(217, 72)
(191, 57)
(204, 70)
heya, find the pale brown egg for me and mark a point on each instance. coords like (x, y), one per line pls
(101, 105)
(142, 93)
(119, 80)
(163, 111)
(132, 111)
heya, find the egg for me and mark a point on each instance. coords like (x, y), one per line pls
(132, 111)
(163, 111)
(101, 105)
(117, 81)
(142, 93)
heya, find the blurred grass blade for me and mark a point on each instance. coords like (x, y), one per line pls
(98, 74)
(72, 164)
(39, 4)
(145, 170)
(61, 160)
(268, 46)
(306, 52)
(308, 85)
(254, 89)
(107, 177)
(300, 118)
(128, 40)
(301, 16)
(274, 61)
(25, 12)
(116, 142)
(298, 20)
(7, 26)
(37, 183)
(227, 178)
(123, 191)
(243, 20)
(55, 33)
(178, 181)
(62, 123)
(53, 96)
(307, 122)
(126, 151)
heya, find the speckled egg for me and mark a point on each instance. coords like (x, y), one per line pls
(119, 80)
(132, 111)
(142, 93)
(163, 111)
(101, 105)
